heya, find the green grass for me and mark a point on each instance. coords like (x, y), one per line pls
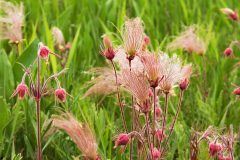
(83, 22)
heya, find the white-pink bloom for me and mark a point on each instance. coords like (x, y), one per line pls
(230, 13)
(188, 41)
(58, 37)
(133, 37)
(11, 22)
(170, 70)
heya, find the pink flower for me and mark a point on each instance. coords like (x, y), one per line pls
(186, 73)
(60, 93)
(228, 52)
(11, 22)
(159, 134)
(81, 135)
(188, 41)
(158, 112)
(108, 50)
(233, 15)
(237, 91)
(43, 51)
(122, 140)
(133, 35)
(151, 65)
(146, 42)
(170, 70)
(21, 90)
(214, 148)
(156, 153)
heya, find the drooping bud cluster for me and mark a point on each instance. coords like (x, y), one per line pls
(60, 93)
(122, 140)
(214, 148)
(233, 15)
(108, 50)
(228, 52)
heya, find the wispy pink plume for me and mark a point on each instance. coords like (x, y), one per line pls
(136, 83)
(133, 36)
(188, 41)
(11, 22)
(81, 135)
(170, 70)
(58, 37)
(103, 84)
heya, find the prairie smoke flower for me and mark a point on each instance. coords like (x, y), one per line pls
(151, 65)
(58, 38)
(214, 148)
(186, 73)
(233, 15)
(103, 84)
(158, 112)
(21, 90)
(237, 91)
(108, 50)
(122, 140)
(155, 153)
(170, 70)
(43, 51)
(60, 94)
(121, 59)
(11, 22)
(137, 85)
(159, 134)
(228, 52)
(133, 35)
(188, 41)
(81, 135)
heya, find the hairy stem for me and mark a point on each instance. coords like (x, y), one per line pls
(154, 114)
(175, 119)
(148, 135)
(164, 117)
(119, 99)
(131, 143)
(38, 99)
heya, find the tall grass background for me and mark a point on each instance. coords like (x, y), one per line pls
(208, 101)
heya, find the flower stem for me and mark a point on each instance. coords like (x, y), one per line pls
(148, 135)
(154, 114)
(175, 119)
(164, 117)
(119, 99)
(133, 110)
(38, 99)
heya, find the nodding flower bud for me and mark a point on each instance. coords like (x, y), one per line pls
(228, 52)
(60, 93)
(21, 90)
(237, 91)
(222, 157)
(159, 134)
(43, 52)
(233, 15)
(122, 140)
(184, 84)
(146, 40)
(158, 113)
(214, 148)
(156, 153)
(108, 51)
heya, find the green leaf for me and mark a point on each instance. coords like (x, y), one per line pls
(5, 115)
(73, 49)
(6, 76)
(27, 57)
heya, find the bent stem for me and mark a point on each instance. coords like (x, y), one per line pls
(38, 99)
(119, 99)
(175, 119)
(133, 117)
(164, 117)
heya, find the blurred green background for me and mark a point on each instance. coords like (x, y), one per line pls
(208, 101)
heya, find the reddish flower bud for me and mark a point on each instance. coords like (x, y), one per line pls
(21, 90)
(234, 16)
(109, 53)
(184, 84)
(214, 148)
(159, 134)
(43, 52)
(228, 52)
(60, 93)
(155, 153)
(158, 113)
(237, 91)
(122, 140)
(146, 40)
(222, 157)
